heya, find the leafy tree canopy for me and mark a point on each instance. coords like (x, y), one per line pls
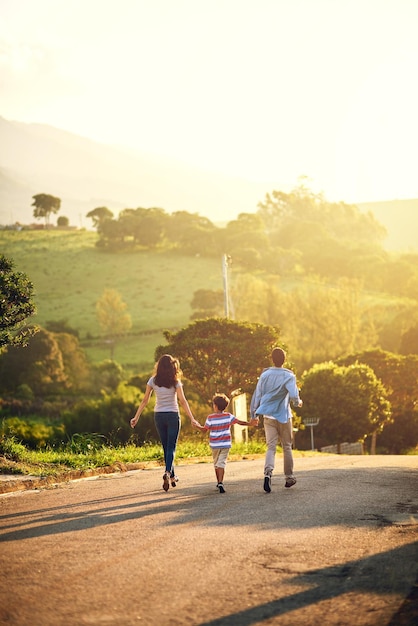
(16, 305)
(409, 341)
(40, 365)
(111, 313)
(99, 214)
(221, 355)
(343, 221)
(207, 303)
(63, 221)
(45, 204)
(399, 375)
(113, 316)
(350, 401)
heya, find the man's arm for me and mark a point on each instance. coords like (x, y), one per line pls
(255, 400)
(294, 392)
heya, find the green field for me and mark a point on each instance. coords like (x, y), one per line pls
(69, 275)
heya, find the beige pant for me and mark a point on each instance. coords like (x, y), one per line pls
(220, 456)
(276, 431)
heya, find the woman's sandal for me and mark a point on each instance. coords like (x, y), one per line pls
(166, 483)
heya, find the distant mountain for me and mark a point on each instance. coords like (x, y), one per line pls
(36, 158)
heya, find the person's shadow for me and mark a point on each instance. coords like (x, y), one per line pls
(330, 582)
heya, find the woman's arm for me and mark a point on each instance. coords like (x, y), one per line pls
(147, 395)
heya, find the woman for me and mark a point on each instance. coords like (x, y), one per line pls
(168, 388)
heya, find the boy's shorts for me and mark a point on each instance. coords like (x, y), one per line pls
(220, 456)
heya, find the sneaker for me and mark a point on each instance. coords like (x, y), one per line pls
(174, 480)
(221, 488)
(267, 484)
(290, 482)
(166, 483)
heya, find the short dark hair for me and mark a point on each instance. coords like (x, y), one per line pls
(221, 401)
(278, 356)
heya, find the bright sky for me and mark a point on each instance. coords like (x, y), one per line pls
(267, 90)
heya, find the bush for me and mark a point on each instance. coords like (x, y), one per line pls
(110, 417)
(11, 449)
(84, 443)
(34, 432)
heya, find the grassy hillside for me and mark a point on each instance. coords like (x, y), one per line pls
(69, 275)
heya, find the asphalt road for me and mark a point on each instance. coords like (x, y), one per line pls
(340, 547)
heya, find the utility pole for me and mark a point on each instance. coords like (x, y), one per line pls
(225, 261)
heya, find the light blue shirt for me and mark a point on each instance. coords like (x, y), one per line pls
(276, 388)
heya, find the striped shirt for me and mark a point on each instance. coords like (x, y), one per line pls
(219, 425)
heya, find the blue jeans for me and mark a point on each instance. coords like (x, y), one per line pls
(168, 428)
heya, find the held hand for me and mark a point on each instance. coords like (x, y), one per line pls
(254, 421)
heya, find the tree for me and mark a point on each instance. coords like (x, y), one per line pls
(393, 326)
(45, 204)
(302, 205)
(329, 236)
(194, 234)
(350, 401)
(107, 376)
(325, 322)
(207, 303)
(40, 365)
(111, 233)
(399, 375)
(98, 216)
(145, 226)
(246, 239)
(16, 305)
(220, 355)
(256, 300)
(112, 316)
(61, 326)
(76, 366)
(51, 363)
(321, 322)
(409, 341)
(63, 221)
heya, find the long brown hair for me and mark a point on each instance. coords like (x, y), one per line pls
(167, 371)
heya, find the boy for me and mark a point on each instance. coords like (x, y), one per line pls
(219, 426)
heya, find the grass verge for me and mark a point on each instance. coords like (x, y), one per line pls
(16, 459)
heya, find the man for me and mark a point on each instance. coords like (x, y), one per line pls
(276, 389)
